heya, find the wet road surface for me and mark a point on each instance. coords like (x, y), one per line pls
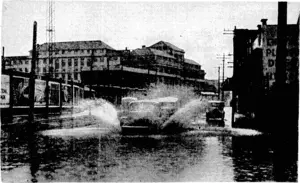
(99, 152)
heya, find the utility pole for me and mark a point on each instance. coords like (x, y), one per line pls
(32, 74)
(223, 76)
(280, 74)
(91, 70)
(224, 57)
(3, 61)
(219, 82)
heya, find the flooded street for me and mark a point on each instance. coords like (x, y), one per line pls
(99, 154)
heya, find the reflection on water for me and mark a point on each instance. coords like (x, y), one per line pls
(98, 155)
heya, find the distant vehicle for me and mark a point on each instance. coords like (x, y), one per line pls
(215, 112)
(147, 116)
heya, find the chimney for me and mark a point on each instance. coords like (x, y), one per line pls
(125, 48)
(264, 21)
(259, 34)
(143, 46)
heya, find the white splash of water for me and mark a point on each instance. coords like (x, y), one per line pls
(106, 112)
(99, 108)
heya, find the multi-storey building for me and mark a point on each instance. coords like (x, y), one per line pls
(66, 61)
(255, 55)
(97, 64)
(18, 63)
(70, 58)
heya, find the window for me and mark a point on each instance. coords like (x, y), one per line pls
(56, 64)
(63, 51)
(63, 63)
(26, 62)
(26, 70)
(75, 62)
(69, 62)
(89, 62)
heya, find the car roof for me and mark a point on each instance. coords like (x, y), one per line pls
(215, 101)
(157, 100)
(129, 98)
(166, 99)
(144, 101)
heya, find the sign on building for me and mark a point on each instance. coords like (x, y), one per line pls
(39, 92)
(269, 55)
(4, 100)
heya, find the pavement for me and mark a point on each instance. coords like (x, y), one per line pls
(228, 113)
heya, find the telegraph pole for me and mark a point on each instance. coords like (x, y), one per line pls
(224, 57)
(219, 83)
(223, 76)
(32, 74)
(3, 61)
(280, 74)
(91, 70)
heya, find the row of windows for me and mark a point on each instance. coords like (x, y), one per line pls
(72, 52)
(69, 76)
(75, 60)
(168, 70)
(18, 62)
(25, 69)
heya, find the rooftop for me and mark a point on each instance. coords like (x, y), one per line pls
(190, 61)
(169, 45)
(77, 45)
(161, 53)
(151, 51)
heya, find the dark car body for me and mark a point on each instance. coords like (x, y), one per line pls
(147, 116)
(215, 112)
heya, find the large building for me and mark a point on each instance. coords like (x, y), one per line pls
(100, 66)
(255, 55)
(66, 61)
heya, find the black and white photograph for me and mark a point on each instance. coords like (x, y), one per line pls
(149, 91)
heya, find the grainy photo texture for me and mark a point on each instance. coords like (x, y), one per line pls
(98, 91)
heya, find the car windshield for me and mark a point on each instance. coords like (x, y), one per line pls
(168, 105)
(143, 107)
(216, 104)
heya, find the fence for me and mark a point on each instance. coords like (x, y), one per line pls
(15, 91)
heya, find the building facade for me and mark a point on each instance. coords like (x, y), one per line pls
(66, 61)
(100, 66)
(255, 54)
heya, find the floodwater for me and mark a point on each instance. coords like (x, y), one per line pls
(97, 153)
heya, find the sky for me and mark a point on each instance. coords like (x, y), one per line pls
(195, 26)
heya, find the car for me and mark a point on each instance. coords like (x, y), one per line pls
(147, 116)
(215, 113)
